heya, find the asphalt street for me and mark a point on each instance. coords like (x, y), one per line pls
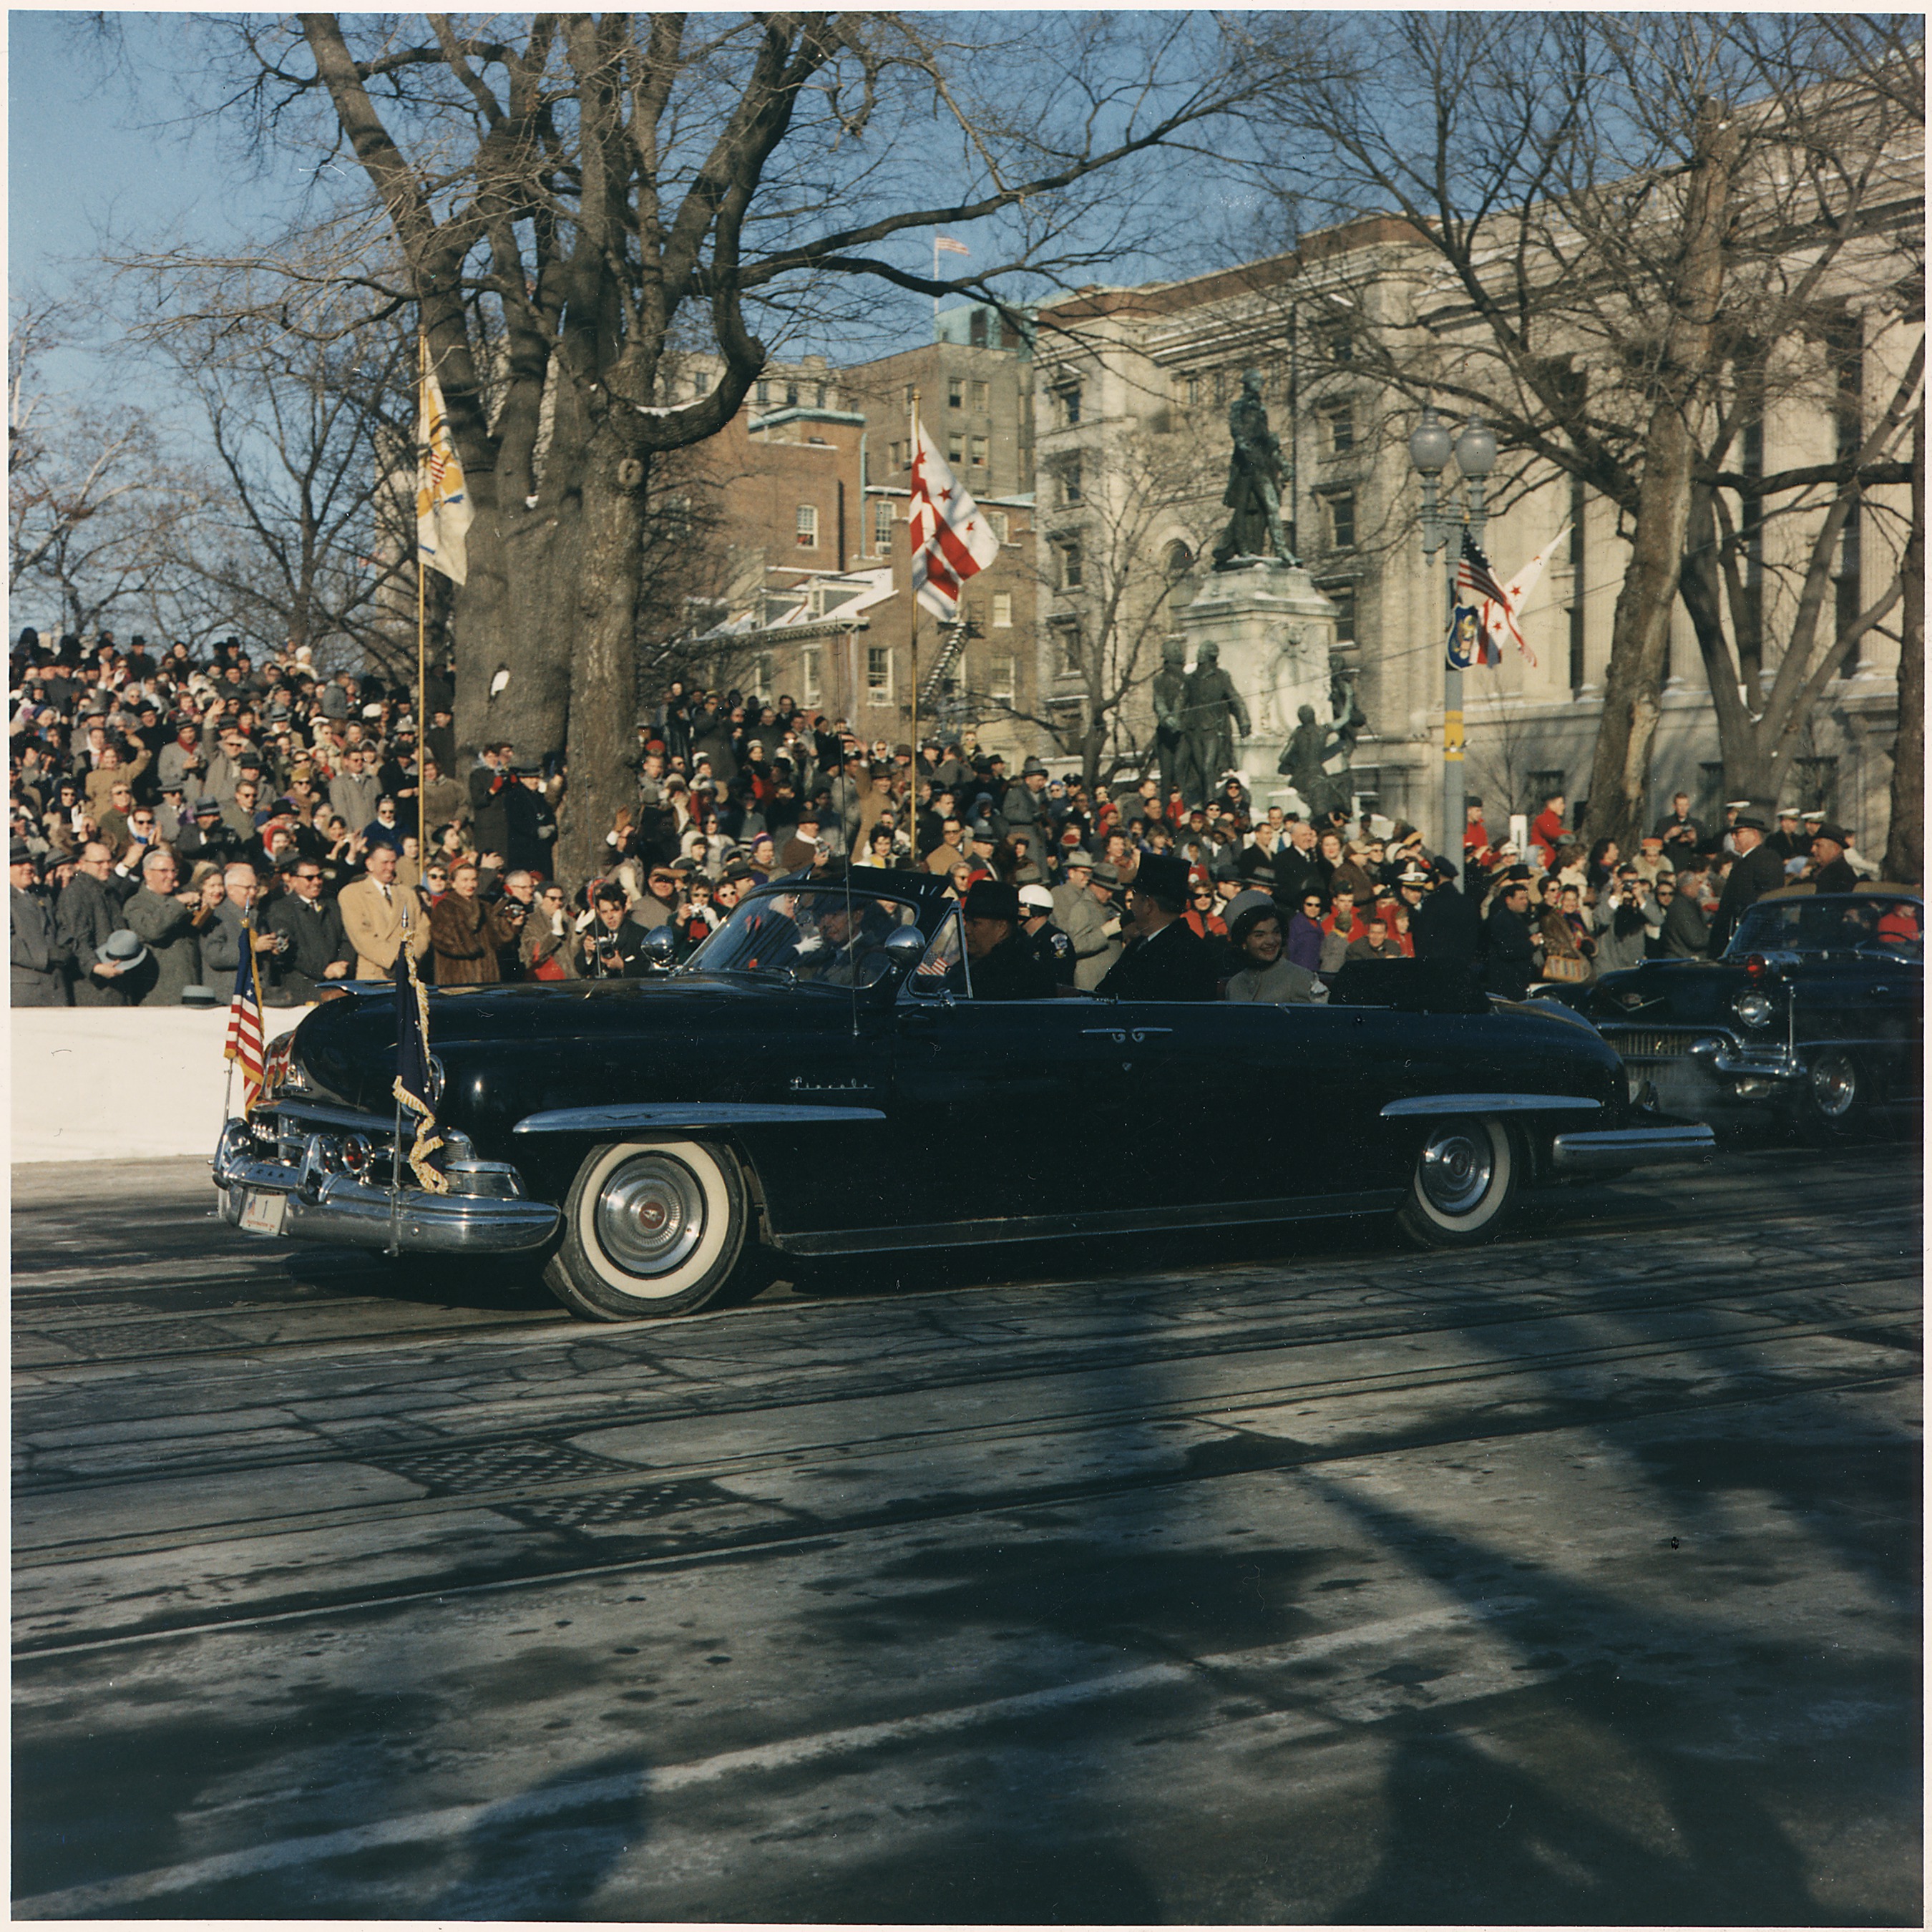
(1286, 1576)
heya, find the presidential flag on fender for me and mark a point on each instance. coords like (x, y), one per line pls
(419, 1080)
(951, 539)
(244, 1046)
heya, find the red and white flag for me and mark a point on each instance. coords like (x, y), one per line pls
(951, 539)
(1501, 605)
(951, 246)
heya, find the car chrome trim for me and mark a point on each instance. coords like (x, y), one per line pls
(1077, 1227)
(1426, 1105)
(669, 1115)
(1629, 1146)
(1769, 1062)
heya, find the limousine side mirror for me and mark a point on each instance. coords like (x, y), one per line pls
(905, 948)
(660, 949)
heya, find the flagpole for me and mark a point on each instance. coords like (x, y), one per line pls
(912, 599)
(422, 633)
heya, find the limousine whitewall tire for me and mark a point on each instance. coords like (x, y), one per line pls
(650, 1228)
(1467, 1173)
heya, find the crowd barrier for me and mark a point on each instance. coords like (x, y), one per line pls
(122, 1083)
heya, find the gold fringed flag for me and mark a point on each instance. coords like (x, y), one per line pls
(418, 1079)
(443, 499)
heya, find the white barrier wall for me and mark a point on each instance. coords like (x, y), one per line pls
(107, 1083)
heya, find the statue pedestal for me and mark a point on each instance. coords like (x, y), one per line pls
(1275, 631)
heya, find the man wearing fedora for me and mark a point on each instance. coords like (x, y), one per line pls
(1167, 960)
(1003, 966)
(1834, 870)
(1759, 869)
(36, 958)
(87, 918)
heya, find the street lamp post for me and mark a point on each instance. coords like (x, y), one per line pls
(1474, 449)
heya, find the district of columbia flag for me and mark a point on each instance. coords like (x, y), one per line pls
(1516, 591)
(244, 1046)
(951, 540)
(442, 501)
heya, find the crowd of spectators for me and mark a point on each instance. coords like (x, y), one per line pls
(161, 806)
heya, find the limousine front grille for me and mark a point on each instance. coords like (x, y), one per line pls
(1662, 1042)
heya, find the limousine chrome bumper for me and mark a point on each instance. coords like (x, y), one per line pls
(486, 1211)
(1619, 1151)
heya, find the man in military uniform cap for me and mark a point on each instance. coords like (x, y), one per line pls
(1003, 964)
(1168, 959)
(1790, 841)
(1759, 869)
(1049, 944)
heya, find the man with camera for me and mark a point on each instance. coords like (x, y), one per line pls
(612, 946)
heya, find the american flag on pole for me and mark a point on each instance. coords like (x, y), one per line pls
(1500, 605)
(951, 540)
(244, 1021)
(951, 246)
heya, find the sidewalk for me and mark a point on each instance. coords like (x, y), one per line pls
(103, 1083)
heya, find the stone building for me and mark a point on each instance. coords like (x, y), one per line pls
(1132, 389)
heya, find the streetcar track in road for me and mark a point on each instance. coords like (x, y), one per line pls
(1234, 1335)
(592, 1475)
(821, 1535)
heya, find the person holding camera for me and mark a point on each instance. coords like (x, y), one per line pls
(611, 945)
(466, 934)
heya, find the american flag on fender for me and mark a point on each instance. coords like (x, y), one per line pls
(244, 1021)
(1476, 584)
(951, 540)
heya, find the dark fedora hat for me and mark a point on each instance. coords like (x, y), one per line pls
(988, 899)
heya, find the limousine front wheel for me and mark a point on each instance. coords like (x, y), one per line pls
(649, 1229)
(1466, 1175)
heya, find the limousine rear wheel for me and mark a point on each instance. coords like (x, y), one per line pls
(1467, 1173)
(650, 1228)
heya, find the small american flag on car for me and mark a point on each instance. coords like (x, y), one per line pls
(244, 1044)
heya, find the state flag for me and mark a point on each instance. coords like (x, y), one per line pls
(443, 498)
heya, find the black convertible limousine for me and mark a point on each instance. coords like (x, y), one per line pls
(817, 1077)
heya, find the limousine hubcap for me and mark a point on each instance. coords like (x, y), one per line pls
(1457, 1162)
(1834, 1086)
(651, 1214)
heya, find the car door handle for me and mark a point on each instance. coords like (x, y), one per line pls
(1144, 1033)
(1118, 1035)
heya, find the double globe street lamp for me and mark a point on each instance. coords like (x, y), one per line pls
(1474, 449)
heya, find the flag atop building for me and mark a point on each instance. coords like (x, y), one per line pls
(951, 540)
(442, 500)
(244, 1046)
(418, 1079)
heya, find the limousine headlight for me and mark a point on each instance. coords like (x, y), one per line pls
(1755, 1007)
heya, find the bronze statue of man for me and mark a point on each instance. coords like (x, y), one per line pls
(1170, 696)
(1302, 765)
(1212, 712)
(1254, 482)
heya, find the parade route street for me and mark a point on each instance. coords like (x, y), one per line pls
(1285, 1577)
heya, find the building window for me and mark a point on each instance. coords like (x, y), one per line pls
(882, 527)
(763, 392)
(791, 395)
(910, 392)
(982, 397)
(1220, 387)
(763, 673)
(1341, 508)
(999, 669)
(1343, 596)
(1194, 392)
(978, 448)
(1069, 480)
(955, 450)
(878, 674)
(975, 328)
(1546, 784)
(807, 674)
(818, 396)
(905, 454)
(1072, 566)
(1003, 610)
(1339, 343)
(807, 526)
(956, 392)
(1070, 650)
(996, 521)
(1069, 406)
(1339, 423)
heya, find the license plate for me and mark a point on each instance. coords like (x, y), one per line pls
(264, 1214)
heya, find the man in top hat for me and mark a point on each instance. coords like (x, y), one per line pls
(1759, 869)
(1167, 959)
(1003, 965)
(1834, 870)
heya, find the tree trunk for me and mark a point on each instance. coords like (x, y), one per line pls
(1640, 632)
(1905, 844)
(603, 659)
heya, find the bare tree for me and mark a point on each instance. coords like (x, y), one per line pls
(571, 195)
(93, 504)
(1593, 217)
